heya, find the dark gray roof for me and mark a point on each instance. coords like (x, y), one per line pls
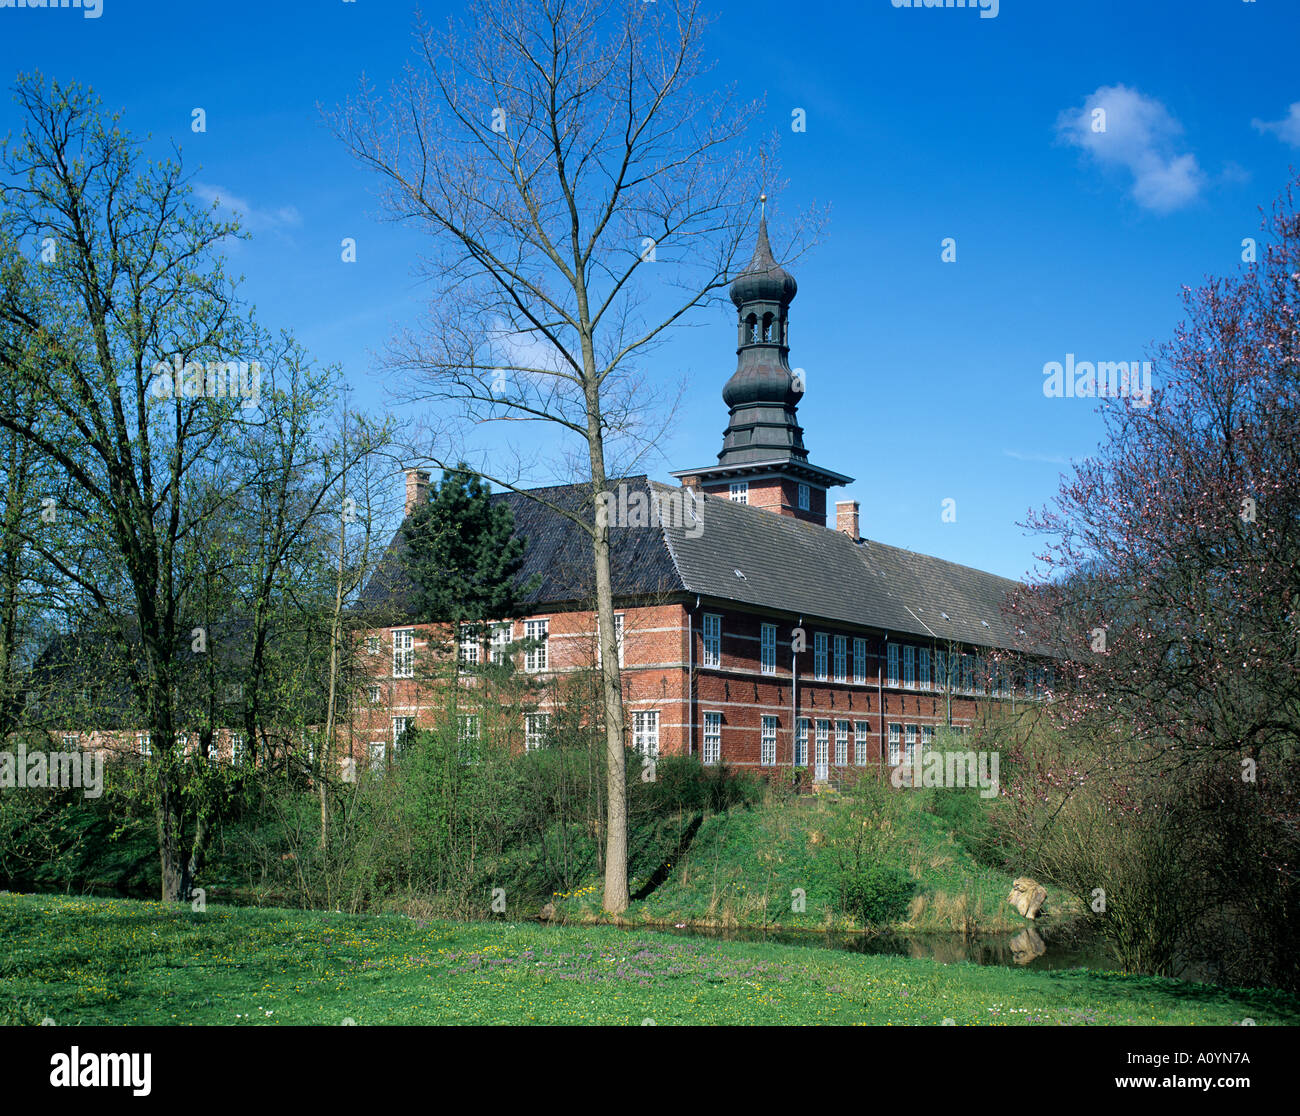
(789, 566)
(819, 573)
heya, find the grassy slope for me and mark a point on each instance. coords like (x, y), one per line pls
(743, 865)
(119, 961)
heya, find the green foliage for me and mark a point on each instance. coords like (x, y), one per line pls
(875, 895)
(462, 554)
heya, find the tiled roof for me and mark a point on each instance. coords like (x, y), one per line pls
(787, 565)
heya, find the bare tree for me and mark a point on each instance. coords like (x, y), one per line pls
(574, 167)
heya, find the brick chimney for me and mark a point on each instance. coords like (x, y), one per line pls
(417, 484)
(846, 518)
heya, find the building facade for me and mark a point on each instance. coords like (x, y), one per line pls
(751, 633)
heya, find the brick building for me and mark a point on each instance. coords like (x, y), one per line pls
(750, 631)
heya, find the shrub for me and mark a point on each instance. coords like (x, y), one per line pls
(875, 895)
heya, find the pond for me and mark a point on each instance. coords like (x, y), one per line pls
(1025, 948)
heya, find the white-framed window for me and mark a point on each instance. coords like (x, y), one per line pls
(467, 736)
(909, 744)
(940, 670)
(801, 743)
(645, 733)
(767, 745)
(400, 725)
(923, 668)
(377, 752)
(805, 498)
(861, 730)
(891, 657)
(819, 656)
(404, 653)
(501, 634)
(536, 727)
(214, 750)
(618, 639)
(712, 738)
(739, 492)
(372, 645)
(238, 749)
(767, 648)
(469, 649)
(374, 695)
(909, 667)
(859, 660)
(841, 658)
(143, 744)
(712, 640)
(841, 743)
(895, 740)
(927, 737)
(536, 657)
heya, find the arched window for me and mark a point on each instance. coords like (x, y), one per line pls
(752, 322)
(767, 327)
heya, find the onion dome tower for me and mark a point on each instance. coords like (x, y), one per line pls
(763, 460)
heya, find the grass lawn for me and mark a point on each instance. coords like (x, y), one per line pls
(118, 961)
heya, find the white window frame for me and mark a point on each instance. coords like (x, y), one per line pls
(895, 743)
(711, 739)
(859, 660)
(841, 743)
(537, 658)
(378, 750)
(891, 656)
(820, 641)
(927, 737)
(645, 733)
(909, 667)
(738, 491)
(501, 635)
(144, 744)
(469, 651)
(801, 743)
(909, 744)
(940, 670)
(536, 727)
(372, 645)
(238, 749)
(767, 743)
(767, 648)
(841, 652)
(374, 695)
(861, 733)
(711, 655)
(406, 721)
(618, 639)
(404, 653)
(923, 668)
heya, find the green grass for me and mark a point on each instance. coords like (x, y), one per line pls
(743, 866)
(119, 961)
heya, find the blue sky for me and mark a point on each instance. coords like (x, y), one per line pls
(925, 378)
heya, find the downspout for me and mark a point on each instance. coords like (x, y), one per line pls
(690, 677)
(794, 699)
(880, 707)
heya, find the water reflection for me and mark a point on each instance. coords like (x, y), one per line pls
(1026, 948)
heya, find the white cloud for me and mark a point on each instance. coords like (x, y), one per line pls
(251, 218)
(1123, 130)
(1287, 129)
(1050, 459)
